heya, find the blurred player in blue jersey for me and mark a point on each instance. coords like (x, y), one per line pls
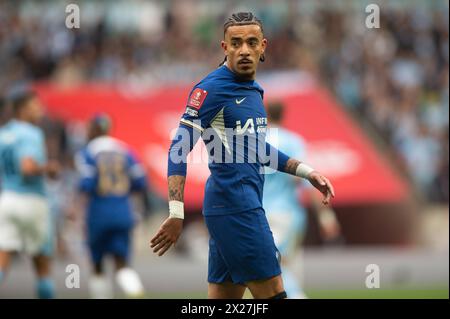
(226, 109)
(109, 174)
(287, 218)
(25, 221)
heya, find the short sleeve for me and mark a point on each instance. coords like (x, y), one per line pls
(85, 164)
(297, 148)
(136, 172)
(87, 170)
(32, 146)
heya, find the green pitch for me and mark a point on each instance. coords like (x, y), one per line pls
(430, 293)
(379, 294)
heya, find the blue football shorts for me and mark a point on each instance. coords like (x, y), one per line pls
(108, 241)
(241, 248)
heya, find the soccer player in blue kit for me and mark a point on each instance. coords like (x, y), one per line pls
(109, 173)
(226, 109)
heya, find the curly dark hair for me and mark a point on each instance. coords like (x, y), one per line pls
(241, 18)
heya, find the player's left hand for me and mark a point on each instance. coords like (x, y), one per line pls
(167, 235)
(323, 185)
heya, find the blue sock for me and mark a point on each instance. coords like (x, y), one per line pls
(45, 289)
(1, 276)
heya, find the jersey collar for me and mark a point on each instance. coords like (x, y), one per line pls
(251, 84)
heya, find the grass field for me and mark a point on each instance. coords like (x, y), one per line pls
(431, 293)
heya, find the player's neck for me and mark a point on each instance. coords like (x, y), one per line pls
(23, 120)
(240, 77)
(97, 135)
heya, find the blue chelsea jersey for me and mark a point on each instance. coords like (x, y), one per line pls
(230, 115)
(109, 172)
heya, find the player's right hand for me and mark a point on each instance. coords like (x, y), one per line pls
(167, 235)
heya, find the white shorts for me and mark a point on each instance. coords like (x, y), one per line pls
(24, 222)
(287, 228)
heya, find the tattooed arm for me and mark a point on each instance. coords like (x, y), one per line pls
(176, 187)
(170, 230)
(291, 166)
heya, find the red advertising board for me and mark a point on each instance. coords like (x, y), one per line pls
(145, 120)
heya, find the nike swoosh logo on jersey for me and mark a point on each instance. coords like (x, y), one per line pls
(240, 101)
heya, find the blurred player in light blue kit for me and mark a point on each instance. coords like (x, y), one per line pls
(109, 173)
(25, 221)
(287, 217)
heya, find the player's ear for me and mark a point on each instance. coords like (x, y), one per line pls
(263, 45)
(225, 51)
(262, 57)
(224, 47)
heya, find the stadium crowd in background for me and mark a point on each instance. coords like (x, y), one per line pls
(395, 78)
